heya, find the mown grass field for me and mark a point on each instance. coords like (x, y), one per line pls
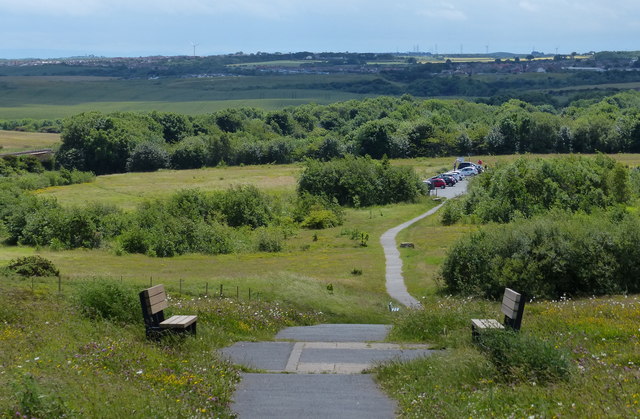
(12, 141)
(57, 97)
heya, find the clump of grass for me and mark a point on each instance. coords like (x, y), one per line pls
(522, 357)
(443, 322)
(110, 300)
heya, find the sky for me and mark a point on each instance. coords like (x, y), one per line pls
(119, 28)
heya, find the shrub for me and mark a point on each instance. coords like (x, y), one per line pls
(109, 300)
(319, 219)
(269, 240)
(147, 157)
(521, 357)
(245, 205)
(33, 266)
(529, 187)
(451, 213)
(548, 256)
(360, 182)
(190, 153)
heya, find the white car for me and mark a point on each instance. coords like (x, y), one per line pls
(469, 171)
(456, 174)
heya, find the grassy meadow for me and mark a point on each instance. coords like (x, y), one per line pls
(56, 97)
(58, 360)
(13, 141)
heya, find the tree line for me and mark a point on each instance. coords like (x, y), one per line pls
(398, 127)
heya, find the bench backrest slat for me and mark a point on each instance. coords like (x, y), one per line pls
(511, 303)
(156, 299)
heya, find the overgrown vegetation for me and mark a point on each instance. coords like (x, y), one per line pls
(548, 256)
(528, 187)
(564, 362)
(102, 365)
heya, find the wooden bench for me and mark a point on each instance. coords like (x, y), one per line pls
(513, 309)
(153, 301)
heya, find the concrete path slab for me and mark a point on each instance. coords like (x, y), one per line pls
(308, 396)
(270, 356)
(336, 333)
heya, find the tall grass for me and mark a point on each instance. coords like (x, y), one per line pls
(572, 358)
(58, 362)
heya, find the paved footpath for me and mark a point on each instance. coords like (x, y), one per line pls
(317, 372)
(394, 280)
(320, 371)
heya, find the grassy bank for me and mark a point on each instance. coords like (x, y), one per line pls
(597, 339)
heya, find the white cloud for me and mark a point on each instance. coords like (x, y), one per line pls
(528, 6)
(58, 8)
(445, 11)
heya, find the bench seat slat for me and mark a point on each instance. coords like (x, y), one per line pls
(178, 322)
(486, 324)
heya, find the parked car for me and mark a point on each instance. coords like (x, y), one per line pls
(469, 171)
(438, 182)
(428, 183)
(456, 174)
(464, 164)
(450, 180)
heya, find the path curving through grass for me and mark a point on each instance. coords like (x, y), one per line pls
(394, 280)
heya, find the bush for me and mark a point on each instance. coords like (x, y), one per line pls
(245, 205)
(147, 157)
(451, 213)
(319, 219)
(269, 240)
(109, 300)
(360, 182)
(548, 256)
(521, 357)
(529, 187)
(33, 266)
(190, 153)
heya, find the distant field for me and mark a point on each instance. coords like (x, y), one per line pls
(130, 189)
(279, 63)
(621, 86)
(39, 111)
(12, 141)
(56, 97)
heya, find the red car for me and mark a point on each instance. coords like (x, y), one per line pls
(438, 182)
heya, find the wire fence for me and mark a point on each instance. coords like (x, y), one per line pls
(181, 287)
